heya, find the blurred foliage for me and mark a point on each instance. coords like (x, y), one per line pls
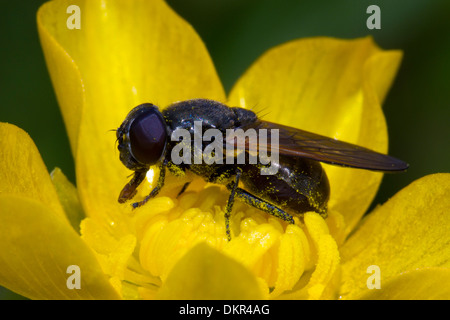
(236, 32)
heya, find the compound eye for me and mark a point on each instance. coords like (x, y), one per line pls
(148, 137)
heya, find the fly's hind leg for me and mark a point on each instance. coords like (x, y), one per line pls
(251, 200)
(263, 205)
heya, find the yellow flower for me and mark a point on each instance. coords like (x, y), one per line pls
(130, 52)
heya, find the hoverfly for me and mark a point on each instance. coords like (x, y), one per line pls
(299, 185)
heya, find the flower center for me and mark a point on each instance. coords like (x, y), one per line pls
(301, 259)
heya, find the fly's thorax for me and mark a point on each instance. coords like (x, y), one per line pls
(212, 114)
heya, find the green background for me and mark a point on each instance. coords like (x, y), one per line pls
(236, 32)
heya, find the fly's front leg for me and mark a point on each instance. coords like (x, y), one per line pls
(157, 189)
(129, 190)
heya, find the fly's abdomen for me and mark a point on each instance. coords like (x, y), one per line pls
(300, 185)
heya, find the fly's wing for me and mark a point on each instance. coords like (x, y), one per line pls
(298, 143)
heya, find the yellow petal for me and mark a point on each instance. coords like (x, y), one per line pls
(409, 231)
(204, 273)
(422, 284)
(113, 253)
(36, 249)
(64, 73)
(22, 171)
(330, 87)
(68, 196)
(126, 53)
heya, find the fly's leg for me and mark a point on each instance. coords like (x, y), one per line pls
(183, 189)
(233, 186)
(263, 205)
(251, 200)
(129, 190)
(157, 189)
